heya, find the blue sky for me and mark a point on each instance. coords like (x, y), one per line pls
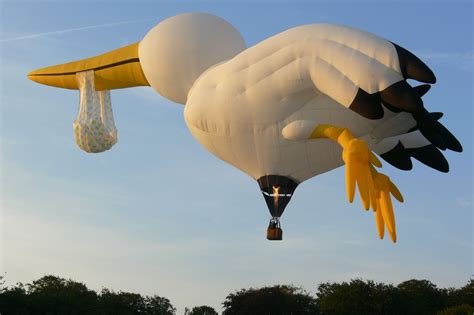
(159, 215)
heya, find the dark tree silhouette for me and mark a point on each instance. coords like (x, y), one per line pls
(51, 294)
(409, 297)
(203, 310)
(420, 297)
(157, 305)
(464, 295)
(54, 295)
(13, 300)
(121, 302)
(275, 300)
(357, 297)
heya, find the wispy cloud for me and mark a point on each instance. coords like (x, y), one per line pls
(69, 30)
(469, 55)
(464, 202)
(462, 60)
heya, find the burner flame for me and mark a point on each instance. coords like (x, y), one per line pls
(276, 195)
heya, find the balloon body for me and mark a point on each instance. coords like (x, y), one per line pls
(281, 111)
(238, 109)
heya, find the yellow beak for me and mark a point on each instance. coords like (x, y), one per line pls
(116, 69)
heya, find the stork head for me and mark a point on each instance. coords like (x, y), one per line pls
(179, 49)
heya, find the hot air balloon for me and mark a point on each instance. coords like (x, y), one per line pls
(296, 105)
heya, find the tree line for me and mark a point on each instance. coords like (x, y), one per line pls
(55, 295)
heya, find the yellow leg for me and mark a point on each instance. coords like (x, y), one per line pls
(374, 188)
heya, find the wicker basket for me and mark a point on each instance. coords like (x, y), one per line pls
(274, 234)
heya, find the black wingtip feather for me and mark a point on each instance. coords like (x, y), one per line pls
(422, 89)
(435, 132)
(433, 136)
(367, 105)
(436, 115)
(449, 139)
(430, 156)
(398, 157)
(401, 95)
(412, 67)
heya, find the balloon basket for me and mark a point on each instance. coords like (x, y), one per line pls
(274, 231)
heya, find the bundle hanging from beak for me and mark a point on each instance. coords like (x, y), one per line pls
(94, 127)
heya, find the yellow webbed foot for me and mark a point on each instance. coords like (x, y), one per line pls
(359, 160)
(381, 203)
(374, 188)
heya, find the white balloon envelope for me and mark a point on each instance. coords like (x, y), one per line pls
(294, 106)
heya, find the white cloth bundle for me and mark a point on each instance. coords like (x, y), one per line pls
(94, 128)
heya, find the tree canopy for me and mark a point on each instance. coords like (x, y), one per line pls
(409, 298)
(203, 310)
(357, 297)
(275, 300)
(55, 295)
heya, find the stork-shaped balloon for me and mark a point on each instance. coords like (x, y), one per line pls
(295, 105)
